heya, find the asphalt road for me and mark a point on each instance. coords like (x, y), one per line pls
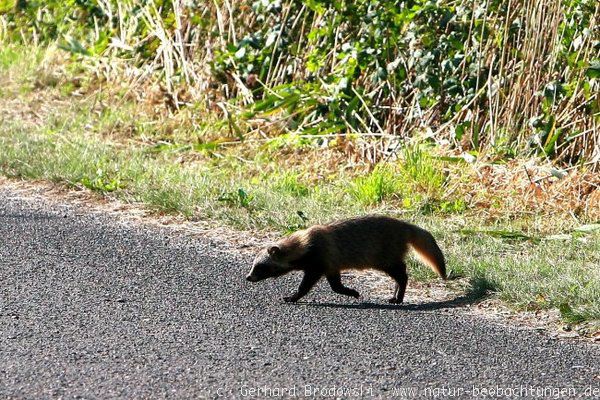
(94, 307)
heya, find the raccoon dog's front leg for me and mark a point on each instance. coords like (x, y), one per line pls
(308, 281)
(335, 281)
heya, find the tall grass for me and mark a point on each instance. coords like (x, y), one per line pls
(496, 78)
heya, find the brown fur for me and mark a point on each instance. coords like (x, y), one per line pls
(377, 242)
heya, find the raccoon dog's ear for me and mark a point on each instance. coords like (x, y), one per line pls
(274, 251)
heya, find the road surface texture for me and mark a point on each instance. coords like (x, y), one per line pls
(95, 307)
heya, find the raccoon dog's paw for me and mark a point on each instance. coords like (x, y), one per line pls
(353, 293)
(290, 299)
(394, 300)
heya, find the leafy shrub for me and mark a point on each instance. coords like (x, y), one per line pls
(519, 77)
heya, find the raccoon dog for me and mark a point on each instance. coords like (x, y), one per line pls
(373, 241)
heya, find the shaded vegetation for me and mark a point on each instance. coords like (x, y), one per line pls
(498, 79)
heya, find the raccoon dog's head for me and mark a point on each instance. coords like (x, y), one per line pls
(269, 263)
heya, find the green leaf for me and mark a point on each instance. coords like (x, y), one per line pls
(352, 106)
(498, 233)
(450, 159)
(594, 70)
(101, 44)
(73, 45)
(316, 6)
(208, 146)
(588, 228)
(561, 236)
(567, 314)
(240, 53)
(7, 5)
(551, 141)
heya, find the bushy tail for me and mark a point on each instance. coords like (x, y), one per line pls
(428, 250)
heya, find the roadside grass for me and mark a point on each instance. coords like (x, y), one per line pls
(381, 184)
(179, 169)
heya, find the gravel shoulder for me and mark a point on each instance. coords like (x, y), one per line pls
(93, 306)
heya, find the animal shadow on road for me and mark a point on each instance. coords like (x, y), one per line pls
(366, 305)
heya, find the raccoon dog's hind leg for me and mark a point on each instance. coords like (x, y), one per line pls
(398, 273)
(335, 281)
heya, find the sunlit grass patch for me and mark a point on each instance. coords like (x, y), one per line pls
(421, 171)
(381, 184)
(289, 182)
(416, 182)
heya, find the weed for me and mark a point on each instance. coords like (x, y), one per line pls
(239, 198)
(381, 184)
(101, 183)
(290, 183)
(422, 171)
